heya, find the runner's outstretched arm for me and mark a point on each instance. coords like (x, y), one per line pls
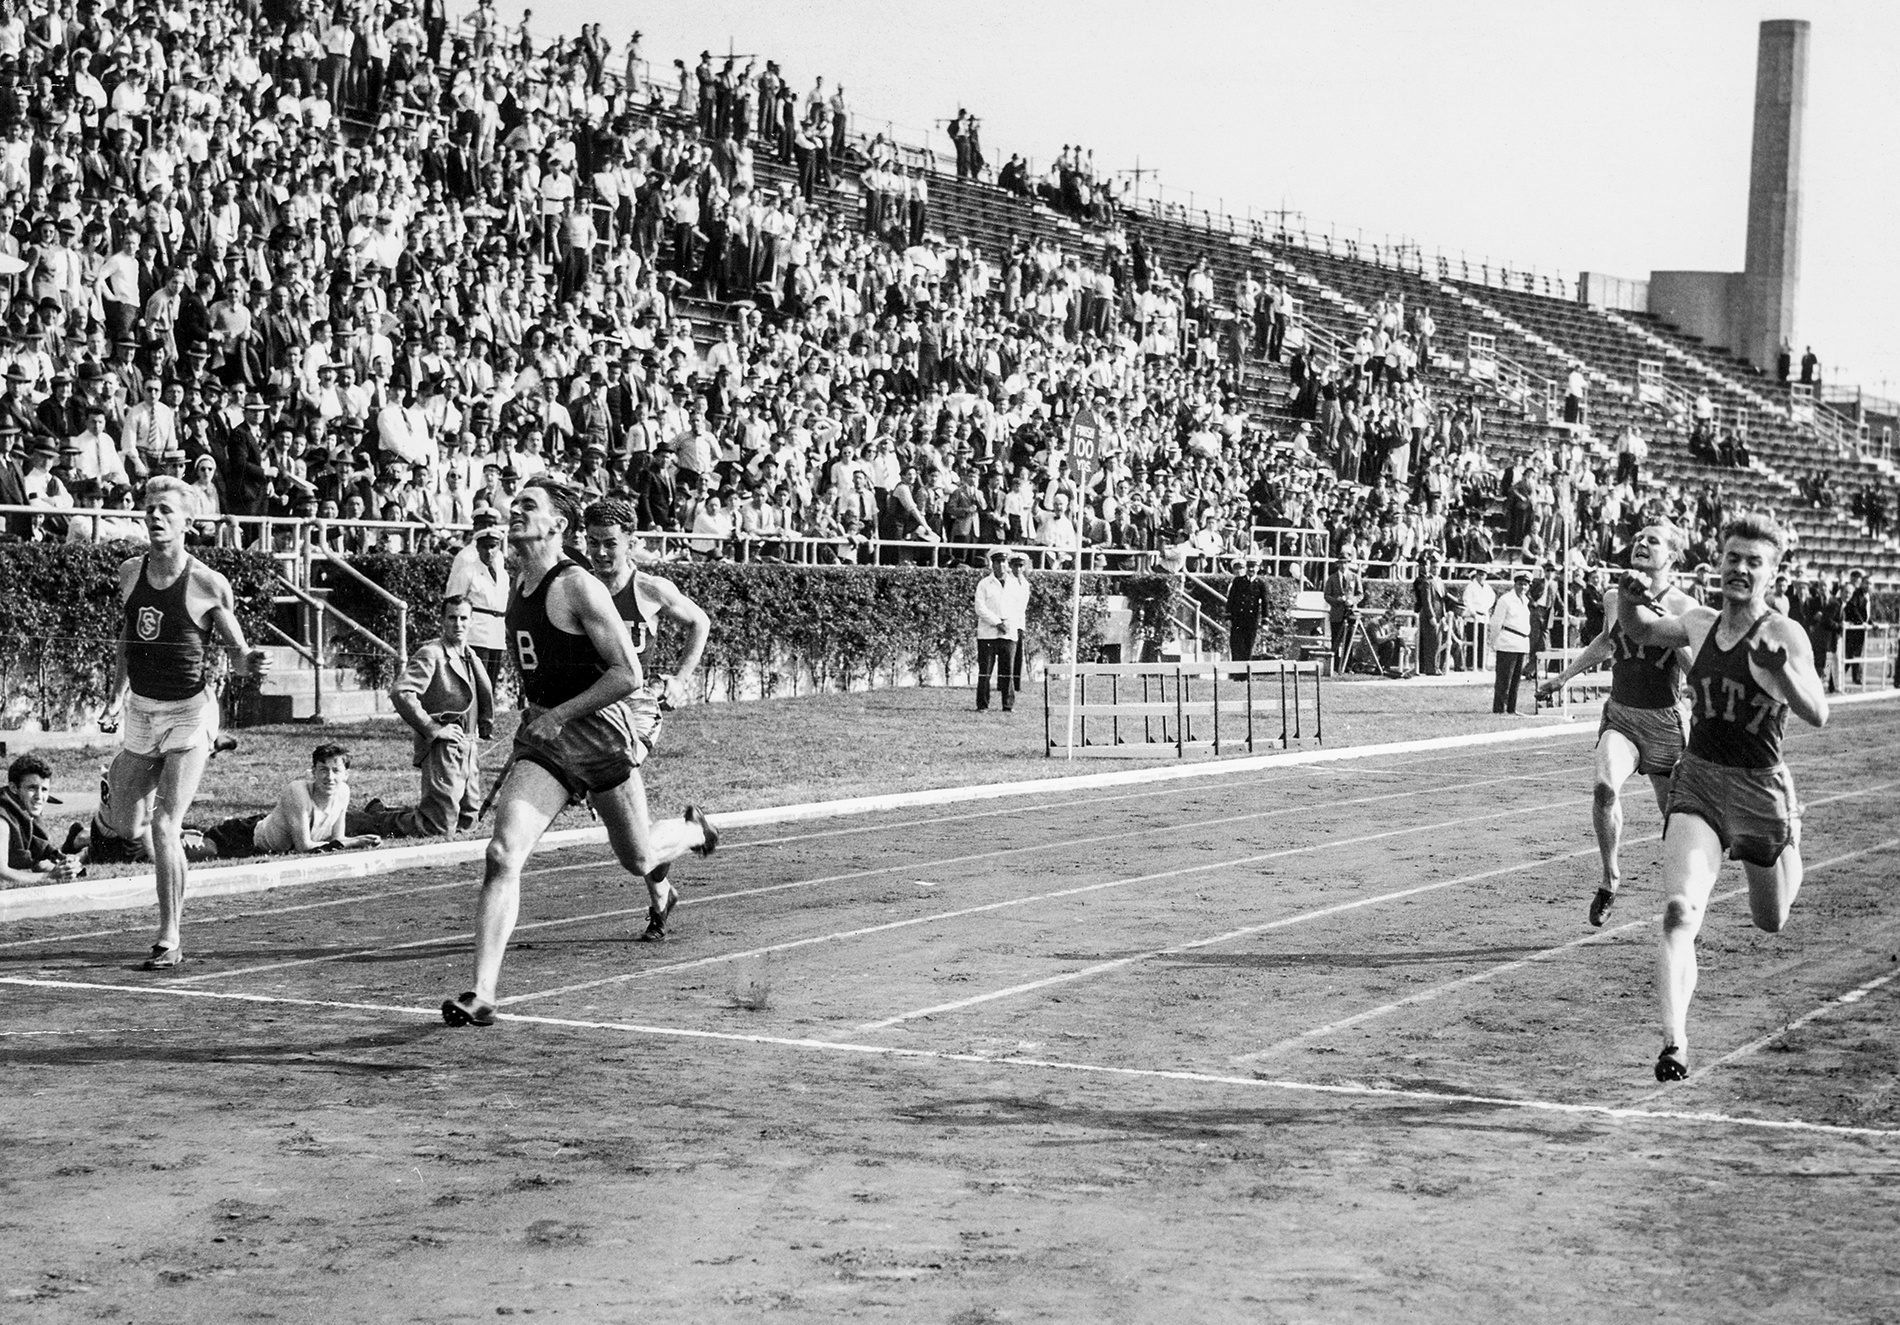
(1783, 652)
(1645, 623)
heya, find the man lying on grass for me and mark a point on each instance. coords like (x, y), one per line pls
(27, 855)
(309, 816)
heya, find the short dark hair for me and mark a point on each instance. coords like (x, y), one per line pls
(25, 766)
(1756, 527)
(323, 754)
(569, 503)
(454, 600)
(612, 513)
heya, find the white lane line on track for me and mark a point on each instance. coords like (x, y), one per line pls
(1760, 1042)
(1119, 963)
(93, 1030)
(1350, 1090)
(1080, 890)
(926, 866)
(1165, 789)
(1433, 992)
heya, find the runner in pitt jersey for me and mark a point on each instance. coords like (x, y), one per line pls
(577, 736)
(1642, 725)
(642, 601)
(174, 606)
(1731, 791)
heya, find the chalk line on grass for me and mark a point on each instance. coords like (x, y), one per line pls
(1358, 1090)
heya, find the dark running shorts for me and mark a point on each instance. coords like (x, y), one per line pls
(597, 752)
(1754, 811)
(1656, 734)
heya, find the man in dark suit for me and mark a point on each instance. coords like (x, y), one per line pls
(658, 496)
(1246, 596)
(12, 478)
(1344, 591)
(246, 476)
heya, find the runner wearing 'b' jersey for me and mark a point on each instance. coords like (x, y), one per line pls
(577, 737)
(1642, 725)
(1731, 792)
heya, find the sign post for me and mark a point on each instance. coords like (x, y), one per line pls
(1085, 446)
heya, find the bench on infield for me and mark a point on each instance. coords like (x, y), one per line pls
(1128, 710)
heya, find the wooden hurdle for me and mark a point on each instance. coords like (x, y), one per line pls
(1160, 704)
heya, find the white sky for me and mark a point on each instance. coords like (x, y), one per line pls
(1567, 137)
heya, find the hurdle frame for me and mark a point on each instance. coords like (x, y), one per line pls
(1231, 690)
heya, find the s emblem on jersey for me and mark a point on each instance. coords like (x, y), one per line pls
(151, 620)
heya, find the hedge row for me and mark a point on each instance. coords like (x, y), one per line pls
(777, 627)
(831, 625)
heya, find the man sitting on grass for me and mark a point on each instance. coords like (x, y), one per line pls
(27, 855)
(309, 816)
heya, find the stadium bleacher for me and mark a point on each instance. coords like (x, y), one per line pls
(467, 118)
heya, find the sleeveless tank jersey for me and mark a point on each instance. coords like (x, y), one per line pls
(1736, 722)
(636, 612)
(555, 665)
(164, 647)
(1642, 676)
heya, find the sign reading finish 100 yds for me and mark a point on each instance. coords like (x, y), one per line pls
(1086, 441)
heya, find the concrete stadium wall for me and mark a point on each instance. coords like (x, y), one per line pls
(1702, 303)
(1619, 292)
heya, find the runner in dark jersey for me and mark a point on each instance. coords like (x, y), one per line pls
(577, 735)
(1641, 730)
(174, 605)
(643, 602)
(1731, 791)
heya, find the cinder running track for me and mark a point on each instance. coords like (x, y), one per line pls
(1320, 1043)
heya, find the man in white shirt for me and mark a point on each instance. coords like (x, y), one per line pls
(97, 463)
(995, 633)
(477, 576)
(1573, 398)
(1510, 641)
(402, 431)
(151, 428)
(1476, 601)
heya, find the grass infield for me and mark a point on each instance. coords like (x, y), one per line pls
(791, 751)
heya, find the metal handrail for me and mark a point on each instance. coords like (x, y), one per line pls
(307, 654)
(401, 606)
(322, 609)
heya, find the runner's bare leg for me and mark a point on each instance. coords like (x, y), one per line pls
(528, 803)
(1771, 889)
(639, 844)
(177, 786)
(132, 780)
(1692, 858)
(1616, 760)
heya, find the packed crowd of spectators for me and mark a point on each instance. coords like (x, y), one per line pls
(336, 267)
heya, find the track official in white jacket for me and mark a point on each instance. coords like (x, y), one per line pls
(996, 633)
(1510, 641)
